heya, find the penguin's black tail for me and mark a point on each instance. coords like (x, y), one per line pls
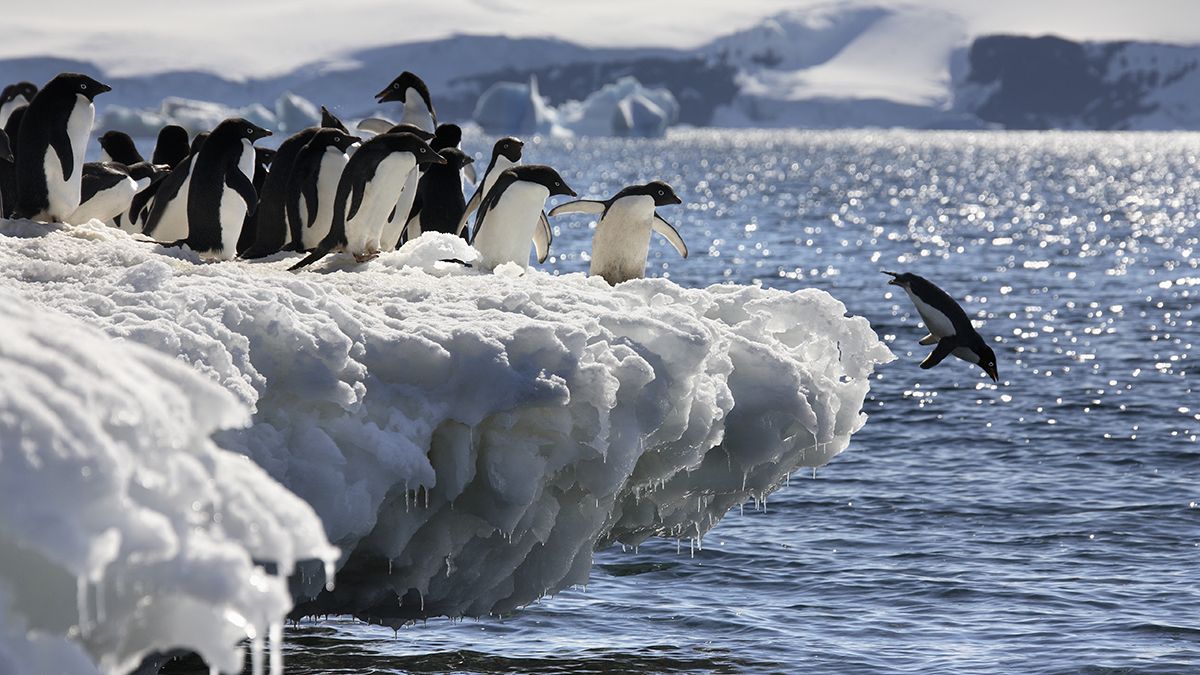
(456, 260)
(312, 258)
(175, 244)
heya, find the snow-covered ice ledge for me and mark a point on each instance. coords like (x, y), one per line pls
(469, 439)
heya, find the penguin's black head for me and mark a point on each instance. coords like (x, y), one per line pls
(142, 170)
(903, 280)
(332, 138)
(455, 158)
(248, 130)
(264, 156)
(407, 142)
(398, 89)
(80, 84)
(198, 142)
(119, 146)
(331, 121)
(662, 193)
(6, 153)
(508, 147)
(12, 91)
(413, 129)
(446, 136)
(539, 173)
(987, 360)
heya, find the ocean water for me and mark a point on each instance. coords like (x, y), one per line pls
(1047, 524)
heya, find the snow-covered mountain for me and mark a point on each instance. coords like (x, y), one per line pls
(875, 63)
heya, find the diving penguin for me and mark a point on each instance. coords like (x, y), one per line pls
(511, 215)
(622, 237)
(50, 150)
(949, 327)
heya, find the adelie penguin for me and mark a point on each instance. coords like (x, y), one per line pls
(949, 327)
(53, 139)
(312, 187)
(263, 157)
(164, 203)
(366, 193)
(511, 215)
(6, 162)
(14, 96)
(506, 153)
(8, 170)
(171, 147)
(108, 189)
(410, 90)
(117, 146)
(439, 204)
(394, 227)
(622, 237)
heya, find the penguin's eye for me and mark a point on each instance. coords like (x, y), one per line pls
(249, 130)
(83, 86)
(557, 184)
(660, 193)
(337, 139)
(422, 149)
(396, 85)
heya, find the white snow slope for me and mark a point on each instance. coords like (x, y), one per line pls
(479, 435)
(123, 528)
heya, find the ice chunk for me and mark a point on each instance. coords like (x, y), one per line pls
(293, 113)
(624, 108)
(517, 109)
(469, 439)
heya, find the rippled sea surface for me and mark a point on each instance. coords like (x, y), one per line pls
(1050, 523)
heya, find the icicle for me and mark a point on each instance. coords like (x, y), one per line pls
(814, 473)
(389, 567)
(330, 572)
(426, 498)
(422, 598)
(101, 611)
(256, 654)
(691, 547)
(81, 606)
(275, 640)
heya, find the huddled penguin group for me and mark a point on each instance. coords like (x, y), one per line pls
(326, 190)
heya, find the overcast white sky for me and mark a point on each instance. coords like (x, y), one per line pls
(254, 37)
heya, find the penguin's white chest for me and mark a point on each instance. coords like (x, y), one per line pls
(399, 215)
(63, 192)
(416, 112)
(622, 240)
(502, 164)
(7, 109)
(328, 175)
(106, 204)
(233, 206)
(173, 224)
(363, 231)
(939, 324)
(507, 231)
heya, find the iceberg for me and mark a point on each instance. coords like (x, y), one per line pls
(469, 439)
(624, 108)
(513, 108)
(124, 530)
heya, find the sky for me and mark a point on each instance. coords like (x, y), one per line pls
(262, 37)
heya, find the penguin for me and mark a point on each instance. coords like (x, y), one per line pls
(6, 163)
(313, 185)
(622, 237)
(949, 327)
(506, 153)
(511, 214)
(165, 217)
(117, 146)
(398, 216)
(145, 175)
(221, 190)
(171, 148)
(14, 96)
(50, 151)
(272, 230)
(331, 121)
(262, 165)
(418, 107)
(365, 193)
(439, 203)
(106, 191)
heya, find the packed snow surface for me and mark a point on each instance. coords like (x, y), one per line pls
(124, 529)
(468, 439)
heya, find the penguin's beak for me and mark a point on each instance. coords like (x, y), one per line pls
(992, 373)
(895, 278)
(676, 199)
(389, 94)
(434, 159)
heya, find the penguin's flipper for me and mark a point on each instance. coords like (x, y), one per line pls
(943, 349)
(168, 190)
(928, 340)
(375, 125)
(578, 206)
(471, 206)
(412, 229)
(543, 236)
(237, 181)
(672, 235)
(356, 197)
(6, 152)
(469, 172)
(62, 147)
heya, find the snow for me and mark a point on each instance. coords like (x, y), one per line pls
(476, 435)
(123, 528)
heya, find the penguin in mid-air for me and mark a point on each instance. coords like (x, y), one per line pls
(14, 96)
(511, 214)
(439, 204)
(53, 139)
(949, 327)
(622, 237)
(171, 147)
(366, 193)
(312, 187)
(506, 153)
(221, 189)
(117, 146)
